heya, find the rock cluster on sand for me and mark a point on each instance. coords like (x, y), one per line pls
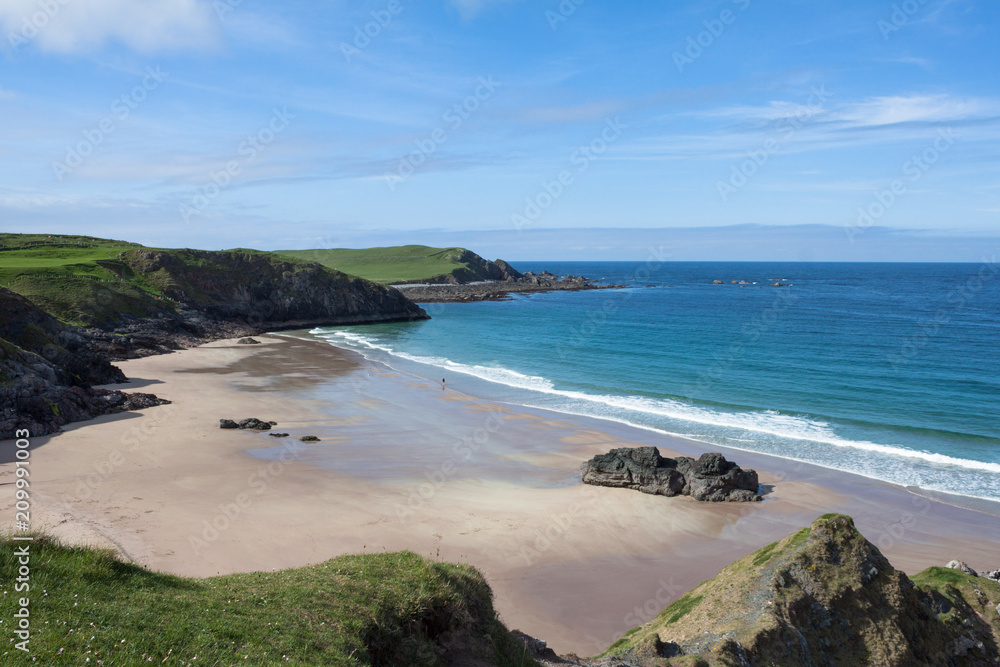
(710, 478)
(248, 341)
(250, 423)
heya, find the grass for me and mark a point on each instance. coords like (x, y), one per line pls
(87, 281)
(379, 609)
(682, 608)
(395, 264)
(75, 278)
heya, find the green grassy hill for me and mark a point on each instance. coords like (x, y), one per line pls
(72, 277)
(88, 281)
(378, 609)
(404, 264)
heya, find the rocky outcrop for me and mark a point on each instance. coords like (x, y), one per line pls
(822, 596)
(499, 289)
(248, 424)
(47, 373)
(710, 478)
(210, 295)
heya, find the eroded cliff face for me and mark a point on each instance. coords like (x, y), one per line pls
(260, 288)
(47, 373)
(205, 295)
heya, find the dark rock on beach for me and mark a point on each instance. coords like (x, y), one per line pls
(248, 341)
(278, 435)
(254, 424)
(309, 438)
(228, 423)
(711, 477)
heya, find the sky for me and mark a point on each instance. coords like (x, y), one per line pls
(550, 129)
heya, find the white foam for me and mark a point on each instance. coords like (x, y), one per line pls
(765, 422)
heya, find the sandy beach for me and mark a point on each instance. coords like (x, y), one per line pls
(404, 464)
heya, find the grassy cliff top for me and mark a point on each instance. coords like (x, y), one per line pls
(394, 264)
(85, 281)
(384, 609)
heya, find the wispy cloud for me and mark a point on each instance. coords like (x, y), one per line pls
(88, 25)
(914, 108)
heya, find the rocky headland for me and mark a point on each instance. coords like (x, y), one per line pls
(500, 288)
(116, 300)
(711, 477)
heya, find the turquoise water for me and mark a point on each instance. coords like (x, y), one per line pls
(887, 370)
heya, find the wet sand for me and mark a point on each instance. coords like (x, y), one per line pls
(403, 464)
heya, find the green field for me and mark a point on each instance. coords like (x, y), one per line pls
(394, 264)
(85, 281)
(75, 278)
(377, 609)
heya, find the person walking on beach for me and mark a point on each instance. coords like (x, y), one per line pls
(442, 384)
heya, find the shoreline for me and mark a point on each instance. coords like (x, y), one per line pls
(572, 564)
(974, 503)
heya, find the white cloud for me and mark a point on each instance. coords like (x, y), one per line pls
(78, 26)
(908, 109)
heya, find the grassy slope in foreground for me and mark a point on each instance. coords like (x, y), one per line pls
(395, 264)
(378, 609)
(824, 596)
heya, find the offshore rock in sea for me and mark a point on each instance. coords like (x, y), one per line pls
(710, 478)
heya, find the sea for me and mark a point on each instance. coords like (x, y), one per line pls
(887, 370)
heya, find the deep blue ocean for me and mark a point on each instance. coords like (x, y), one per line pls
(891, 371)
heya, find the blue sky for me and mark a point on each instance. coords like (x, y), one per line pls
(223, 123)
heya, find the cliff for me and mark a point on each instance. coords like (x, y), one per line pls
(822, 596)
(46, 373)
(76, 303)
